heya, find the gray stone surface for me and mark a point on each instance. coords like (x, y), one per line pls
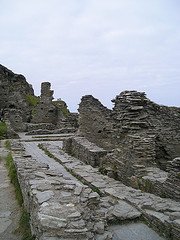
(84, 200)
(9, 209)
(123, 211)
(86, 151)
(135, 231)
(156, 210)
(44, 196)
(66, 207)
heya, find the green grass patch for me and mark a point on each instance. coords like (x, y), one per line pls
(24, 227)
(13, 177)
(7, 144)
(65, 111)
(32, 100)
(3, 130)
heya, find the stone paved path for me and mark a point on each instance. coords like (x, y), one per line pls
(134, 231)
(121, 232)
(36, 153)
(9, 209)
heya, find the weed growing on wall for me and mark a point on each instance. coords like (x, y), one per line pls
(24, 226)
(3, 130)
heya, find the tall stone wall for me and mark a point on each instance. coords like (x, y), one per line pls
(14, 90)
(142, 133)
(45, 111)
(95, 121)
(136, 114)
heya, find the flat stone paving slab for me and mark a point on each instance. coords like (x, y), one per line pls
(134, 231)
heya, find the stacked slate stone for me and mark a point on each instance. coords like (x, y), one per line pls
(140, 133)
(129, 111)
(86, 151)
(172, 184)
(134, 133)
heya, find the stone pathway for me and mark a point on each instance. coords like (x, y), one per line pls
(134, 231)
(108, 206)
(9, 209)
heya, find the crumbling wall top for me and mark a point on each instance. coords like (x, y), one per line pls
(46, 91)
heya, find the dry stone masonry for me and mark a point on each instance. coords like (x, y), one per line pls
(100, 168)
(23, 111)
(142, 138)
(63, 207)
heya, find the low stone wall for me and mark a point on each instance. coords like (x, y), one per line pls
(141, 174)
(163, 214)
(43, 126)
(59, 207)
(86, 151)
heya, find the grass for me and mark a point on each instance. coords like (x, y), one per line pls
(32, 100)
(178, 175)
(13, 177)
(7, 144)
(24, 226)
(3, 130)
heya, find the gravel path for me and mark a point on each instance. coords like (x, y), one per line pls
(9, 209)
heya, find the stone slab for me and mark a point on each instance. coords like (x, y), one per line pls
(134, 231)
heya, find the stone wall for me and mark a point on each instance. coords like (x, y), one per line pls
(60, 207)
(63, 206)
(45, 111)
(160, 213)
(140, 132)
(86, 151)
(94, 121)
(14, 90)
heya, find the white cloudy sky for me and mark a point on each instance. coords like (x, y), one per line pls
(98, 47)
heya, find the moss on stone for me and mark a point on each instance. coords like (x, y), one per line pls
(3, 130)
(33, 101)
(24, 226)
(7, 144)
(13, 177)
(178, 175)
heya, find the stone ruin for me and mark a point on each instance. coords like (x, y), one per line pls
(140, 137)
(122, 164)
(23, 111)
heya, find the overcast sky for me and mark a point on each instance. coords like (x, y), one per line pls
(98, 47)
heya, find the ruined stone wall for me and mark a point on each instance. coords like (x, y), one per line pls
(14, 90)
(86, 151)
(95, 122)
(52, 112)
(136, 114)
(21, 108)
(142, 133)
(45, 111)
